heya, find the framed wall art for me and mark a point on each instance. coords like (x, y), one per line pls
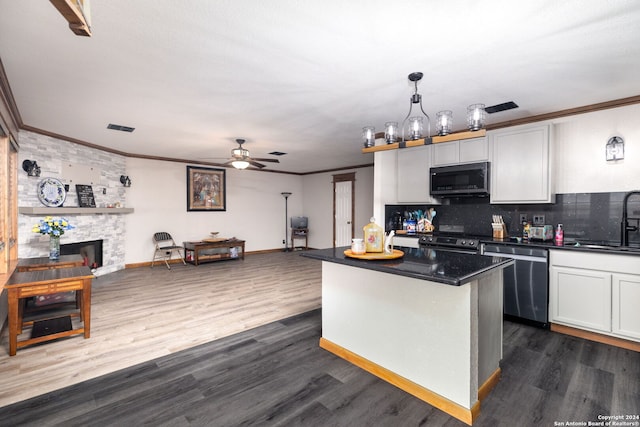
(206, 189)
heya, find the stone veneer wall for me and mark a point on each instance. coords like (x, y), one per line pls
(51, 154)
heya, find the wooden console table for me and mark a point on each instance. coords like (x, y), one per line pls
(195, 252)
(42, 282)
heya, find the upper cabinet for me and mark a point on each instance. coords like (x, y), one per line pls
(413, 175)
(521, 165)
(464, 151)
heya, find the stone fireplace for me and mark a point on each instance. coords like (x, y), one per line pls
(90, 224)
(91, 252)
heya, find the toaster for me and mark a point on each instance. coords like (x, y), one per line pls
(541, 232)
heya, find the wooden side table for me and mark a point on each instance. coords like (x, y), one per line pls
(44, 263)
(42, 282)
(299, 233)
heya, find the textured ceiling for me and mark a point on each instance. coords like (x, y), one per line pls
(303, 77)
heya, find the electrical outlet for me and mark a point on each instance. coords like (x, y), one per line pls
(538, 219)
(523, 218)
(283, 242)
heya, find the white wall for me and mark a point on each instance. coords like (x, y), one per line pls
(318, 204)
(255, 208)
(580, 164)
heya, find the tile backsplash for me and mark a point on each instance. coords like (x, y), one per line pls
(586, 216)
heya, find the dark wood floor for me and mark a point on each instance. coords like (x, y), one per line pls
(276, 375)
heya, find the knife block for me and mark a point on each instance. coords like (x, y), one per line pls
(500, 231)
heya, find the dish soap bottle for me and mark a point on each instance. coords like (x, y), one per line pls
(373, 236)
(559, 235)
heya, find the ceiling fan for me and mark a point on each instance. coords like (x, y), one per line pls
(240, 158)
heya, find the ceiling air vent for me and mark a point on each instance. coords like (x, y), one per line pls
(120, 127)
(501, 107)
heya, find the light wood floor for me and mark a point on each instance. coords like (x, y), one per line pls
(144, 313)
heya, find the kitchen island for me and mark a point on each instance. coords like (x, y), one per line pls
(429, 323)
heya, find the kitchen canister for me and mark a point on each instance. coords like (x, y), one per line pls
(357, 246)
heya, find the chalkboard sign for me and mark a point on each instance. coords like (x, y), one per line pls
(85, 196)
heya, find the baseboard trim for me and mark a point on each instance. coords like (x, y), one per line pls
(465, 415)
(594, 336)
(179, 261)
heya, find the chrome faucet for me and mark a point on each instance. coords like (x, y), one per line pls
(625, 227)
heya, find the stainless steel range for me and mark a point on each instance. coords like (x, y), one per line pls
(451, 242)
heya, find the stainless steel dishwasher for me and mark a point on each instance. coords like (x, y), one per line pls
(526, 283)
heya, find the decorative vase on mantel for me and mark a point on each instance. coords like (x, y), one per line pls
(54, 247)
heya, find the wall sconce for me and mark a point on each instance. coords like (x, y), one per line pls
(369, 136)
(31, 168)
(444, 121)
(125, 181)
(615, 148)
(475, 116)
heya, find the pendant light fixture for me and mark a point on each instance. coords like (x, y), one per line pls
(416, 123)
(475, 116)
(444, 122)
(391, 132)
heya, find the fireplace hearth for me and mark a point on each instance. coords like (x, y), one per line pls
(91, 252)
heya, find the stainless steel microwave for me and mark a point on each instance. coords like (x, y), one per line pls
(470, 179)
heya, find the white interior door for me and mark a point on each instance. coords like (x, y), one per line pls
(343, 216)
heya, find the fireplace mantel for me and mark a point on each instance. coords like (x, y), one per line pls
(28, 210)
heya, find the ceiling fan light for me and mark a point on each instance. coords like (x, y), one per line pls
(240, 164)
(240, 152)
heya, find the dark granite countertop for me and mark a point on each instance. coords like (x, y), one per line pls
(569, 244)
(451, 268)
(580, 245)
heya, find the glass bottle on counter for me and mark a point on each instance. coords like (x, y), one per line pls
(559, 235)
(373, 236)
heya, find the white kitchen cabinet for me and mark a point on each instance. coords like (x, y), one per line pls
(624, 311)
(598, 292)
(413, 175)
(580, 298)
(464, 151)
(521, 165)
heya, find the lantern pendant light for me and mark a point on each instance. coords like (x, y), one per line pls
(416, 122)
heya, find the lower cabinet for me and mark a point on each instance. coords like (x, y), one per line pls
(596, 292)
(625, 313)
(580, 298)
